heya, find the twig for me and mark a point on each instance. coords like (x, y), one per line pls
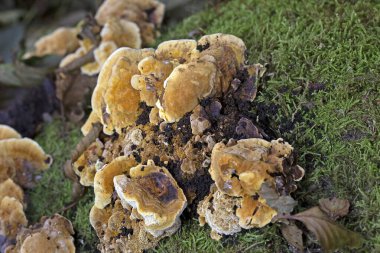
(252, 245)
(77, 63)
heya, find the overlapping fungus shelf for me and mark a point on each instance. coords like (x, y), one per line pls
(176, 122)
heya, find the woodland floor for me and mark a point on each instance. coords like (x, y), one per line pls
(322, 96)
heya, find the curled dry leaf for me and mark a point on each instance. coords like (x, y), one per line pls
(334, 208)
(73, 90)
(293, 236)
(331, 235)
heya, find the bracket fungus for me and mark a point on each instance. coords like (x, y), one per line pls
(85, 165)
(21, 158)
(103, 182)
(122, 24)
(155, 76)
(177, 51)
(242, 168)
(154, 194)
(146, 14)
(7, 132)
(53, 234)
(8, 188)
(60, 42)
(240, 171)
(108, 99)
(217, 210)
(147, 206)
(118, 232)
(167, 115)
(213, 63)
(12, 217)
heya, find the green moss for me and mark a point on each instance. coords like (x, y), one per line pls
(322, 96)
(53, 191)
(193, 238)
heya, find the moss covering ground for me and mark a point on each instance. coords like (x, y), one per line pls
(322, 96)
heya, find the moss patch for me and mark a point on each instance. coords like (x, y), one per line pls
(53, 192)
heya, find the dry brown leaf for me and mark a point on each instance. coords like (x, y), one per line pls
(73, 90)
(334, 208)
(293, 236)
(331, 235)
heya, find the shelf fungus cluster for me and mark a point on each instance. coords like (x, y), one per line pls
(144, 208)
(120, 24)
(117, 23)
(253, 179)
(21, 160)
(52, 234)
(177, 121)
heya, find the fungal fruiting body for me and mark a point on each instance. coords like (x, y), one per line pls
(154, 195)
(60, 42)
(123, 23)
(148, 204)
(54, 234)
(177, 121)
(20, 161)
(239, 171)
(199, 70)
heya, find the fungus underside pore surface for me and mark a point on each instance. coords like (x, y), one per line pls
(323, 98)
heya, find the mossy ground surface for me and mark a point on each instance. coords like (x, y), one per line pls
(322, 95)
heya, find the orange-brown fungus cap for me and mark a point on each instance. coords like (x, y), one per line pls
(178, 51)
(87, 126)
(51, 235)
(103, 181)
(202, 70)
(240, 169)
(60, 42)
(253, 212)
(12, 217)
(209, 43)
(6, 132)
(195, 81)
(122, 32)
(114, 100)
(150, 82)
(134, 11)
(85, 166)
(9, 189)
(154, 194)
(118, 232)
(17, 155)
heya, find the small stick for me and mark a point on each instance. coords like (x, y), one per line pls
(77, 63)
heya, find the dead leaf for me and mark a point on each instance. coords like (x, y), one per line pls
(21, 75)
(331, 235)
(293, 236)
(334, 208)
(50, 61)
(283, 204)
(74, 90)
